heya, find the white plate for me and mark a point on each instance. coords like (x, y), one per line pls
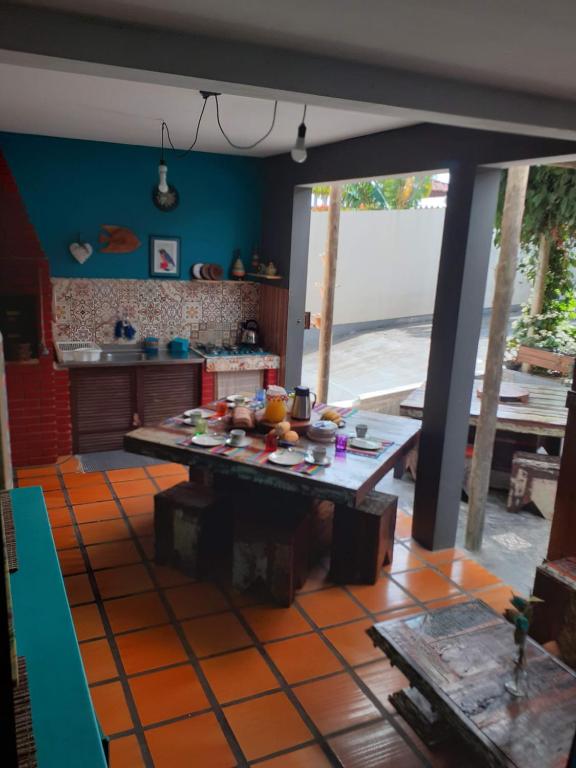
(207, 441)
(205, 413)
(309, 459)
(285, 458)
(232, 398)
(364, 444)
(196, 271)
(242, 444)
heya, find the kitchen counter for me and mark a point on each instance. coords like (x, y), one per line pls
(133, 357)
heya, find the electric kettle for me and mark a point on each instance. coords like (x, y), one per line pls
(249, 333)
(302, 407)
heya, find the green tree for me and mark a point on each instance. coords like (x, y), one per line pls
(548, 239)
(382, 194)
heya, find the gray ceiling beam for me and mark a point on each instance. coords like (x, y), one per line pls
(100, 46)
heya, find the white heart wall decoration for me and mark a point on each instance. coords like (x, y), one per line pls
(81, 251)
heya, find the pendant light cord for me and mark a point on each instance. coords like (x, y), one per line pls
(222, 131)
(245, 146)
(191, 147)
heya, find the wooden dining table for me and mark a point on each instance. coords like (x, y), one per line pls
(347, 480)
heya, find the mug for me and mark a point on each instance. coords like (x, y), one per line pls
(361, 430)
(319, 453)
(194, 417)
(237, 436)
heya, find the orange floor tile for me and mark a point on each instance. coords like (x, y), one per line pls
(130, 488)
(302, 658)
(336, 703)
(266, 725)
(126, 753)
(170, 744)
(135, 612)
(218, 633)
(111, 708)
(331, 606)
(88, 622)
(185, 673)
(186, 694)
(83, 479)
(238, 675)
(138, 505)
(352, 642)
(71, 561)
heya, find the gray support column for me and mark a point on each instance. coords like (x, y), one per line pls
(300, 237)
(464, 259)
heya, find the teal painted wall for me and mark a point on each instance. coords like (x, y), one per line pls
(72, 187)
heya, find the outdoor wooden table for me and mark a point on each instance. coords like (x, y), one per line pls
(544, 414)
(346, 481)
(521, 426)
(459, 659)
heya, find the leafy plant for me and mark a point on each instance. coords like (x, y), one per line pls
(381, 194)
(550, 221)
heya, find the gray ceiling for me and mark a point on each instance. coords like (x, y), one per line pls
(525, 45)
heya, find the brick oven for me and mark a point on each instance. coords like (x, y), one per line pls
(38, 394)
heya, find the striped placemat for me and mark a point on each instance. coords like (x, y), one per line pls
(384, 445)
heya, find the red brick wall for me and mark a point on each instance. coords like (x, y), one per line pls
(38, 394)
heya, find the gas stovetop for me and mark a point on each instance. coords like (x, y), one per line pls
(232, 350)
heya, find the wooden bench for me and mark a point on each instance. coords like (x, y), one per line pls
(183, 518)
(272, 534)
(533, 480)
(65, 727)
(363, 539)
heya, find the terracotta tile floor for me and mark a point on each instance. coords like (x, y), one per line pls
(186, 673)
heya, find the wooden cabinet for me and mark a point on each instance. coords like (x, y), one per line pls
(108, 402)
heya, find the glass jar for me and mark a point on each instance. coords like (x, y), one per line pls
(276, 399)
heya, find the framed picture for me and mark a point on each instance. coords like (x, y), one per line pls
(164, 256)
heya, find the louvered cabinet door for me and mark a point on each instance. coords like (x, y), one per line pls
(103, 407)
(166, 390)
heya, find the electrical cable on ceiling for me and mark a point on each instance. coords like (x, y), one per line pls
(244, 146)
(191, 147)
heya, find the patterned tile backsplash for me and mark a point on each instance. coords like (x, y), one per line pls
(87, 310)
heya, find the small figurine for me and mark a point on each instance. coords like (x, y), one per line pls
(255, 263)
(238, 270)
(520, 615)
(271, 270)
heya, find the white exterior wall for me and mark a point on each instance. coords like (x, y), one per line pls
(387, 264)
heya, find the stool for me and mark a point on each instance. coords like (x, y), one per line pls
(271, 544)
(181, 516)
(363, 539)
(533, 480)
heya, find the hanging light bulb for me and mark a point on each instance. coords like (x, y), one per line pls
(162, 175)
(164, 196)
(298, 152)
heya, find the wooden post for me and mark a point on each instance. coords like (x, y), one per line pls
(503, 290)
(328, 292)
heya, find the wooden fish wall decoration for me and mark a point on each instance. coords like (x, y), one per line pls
(114, 239)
